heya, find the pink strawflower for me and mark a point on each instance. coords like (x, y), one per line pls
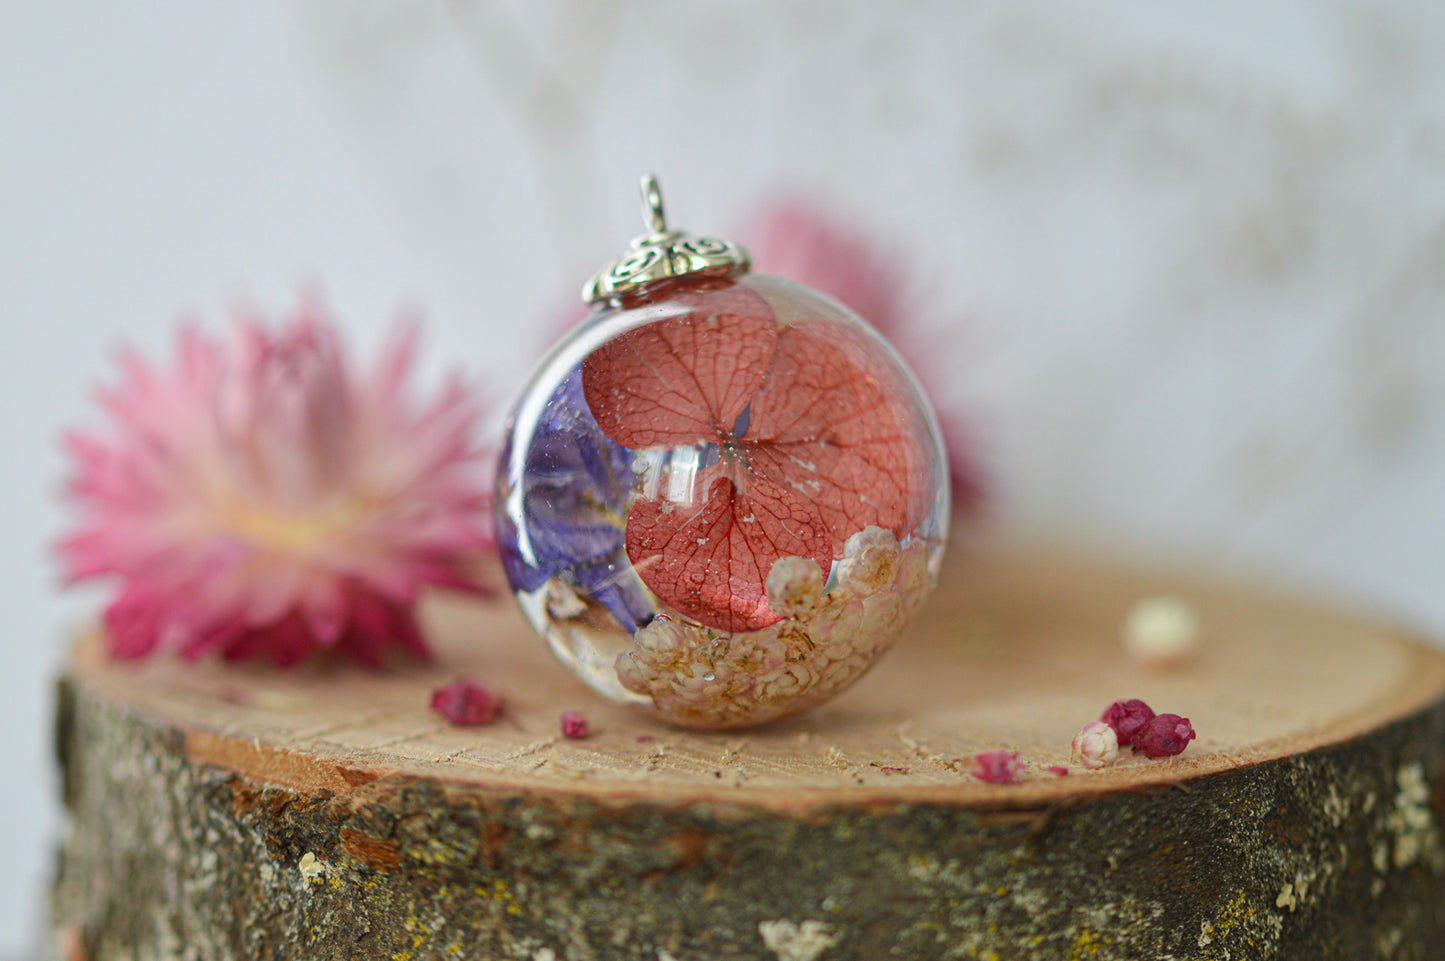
(794, 240)
(996, 767)
(1127, 718)
(466, 703)
(262, 498)
(574, 725)
(1164, 736)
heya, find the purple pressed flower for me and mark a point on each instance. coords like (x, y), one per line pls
(1164, 736)
(1127, 718)
(574, 725)
(996, 767)
(575, 487)
(466, 703)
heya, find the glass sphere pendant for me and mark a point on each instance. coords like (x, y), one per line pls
(722, 496)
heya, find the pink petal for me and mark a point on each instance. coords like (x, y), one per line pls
(286, 643)
(386, 382)
(275, 585)
(324, 610)
(213, 638)
(467, 703)
(996, 767)
(132, 625)
(574, 725)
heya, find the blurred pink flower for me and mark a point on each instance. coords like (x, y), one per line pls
(262, 498)
(794, 240)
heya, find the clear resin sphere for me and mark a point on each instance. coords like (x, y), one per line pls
(722, 500)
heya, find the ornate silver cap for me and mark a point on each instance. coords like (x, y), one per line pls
(664, 254)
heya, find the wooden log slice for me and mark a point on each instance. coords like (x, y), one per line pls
(223, 812)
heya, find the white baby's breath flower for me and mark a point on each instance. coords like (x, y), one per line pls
(870, 561)
(794, 586)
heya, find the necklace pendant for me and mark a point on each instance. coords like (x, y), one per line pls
(722, 496)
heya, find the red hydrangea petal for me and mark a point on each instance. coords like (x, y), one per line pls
(837, 424)
(466, 703)
(996, 767)
(574, 725)
(686, 379)
(711, 560)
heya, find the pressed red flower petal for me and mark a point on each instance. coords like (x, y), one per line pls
(835, 423)
(574, 725)
(466, 703)
(830, 444)
(996, 767)
(711, 560)
(684, 380)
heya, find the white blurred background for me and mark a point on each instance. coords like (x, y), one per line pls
(1185, 266)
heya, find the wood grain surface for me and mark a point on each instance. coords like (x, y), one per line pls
(1017, 650)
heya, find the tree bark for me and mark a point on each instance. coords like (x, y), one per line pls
(222, 812)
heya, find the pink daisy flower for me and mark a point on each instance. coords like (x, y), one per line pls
(262, 498)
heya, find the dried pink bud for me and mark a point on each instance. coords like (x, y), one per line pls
(1058, 770)
(1096, 745)
(466, 703)
(574, 725)
(1164, 736)
(996, 767)
(1127, 718)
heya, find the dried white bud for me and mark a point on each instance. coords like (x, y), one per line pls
(1096, 745)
